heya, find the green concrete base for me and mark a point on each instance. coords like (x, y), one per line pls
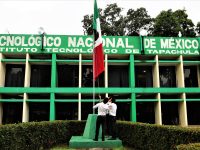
(86, 141)
(82, 142)
(90, 127)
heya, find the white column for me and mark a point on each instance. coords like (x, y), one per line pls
(180, 73)
(25, 115)
(2, 71)
(198, 75)
(106, 72)
(156, 84)
(2, 82)
(182, 108)
(79, 85)
(1, 111)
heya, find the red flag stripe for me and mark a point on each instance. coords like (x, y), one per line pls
(98, 61)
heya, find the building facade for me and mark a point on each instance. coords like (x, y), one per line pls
(154, 79)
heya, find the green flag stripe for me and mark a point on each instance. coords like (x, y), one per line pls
(96, 15)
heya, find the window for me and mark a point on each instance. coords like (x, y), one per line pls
(67, 75)
(14, 75)
(118, 76)
(87, 77)
(190, 75)
(66, 111)
(39, 111)
(143, 76)
(12, 112)
(167, 76)
(40, 76)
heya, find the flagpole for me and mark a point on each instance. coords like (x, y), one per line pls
(98, 54)
(93, 65)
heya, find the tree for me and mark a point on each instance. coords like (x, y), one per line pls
(112, 22)
(198, 28)
(169, 23)
(136, 20)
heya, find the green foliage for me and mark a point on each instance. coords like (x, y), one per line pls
(38, 135)
(169, 23)
(192, 146)
(198, 28)
(114, 23)
(136, 20)
(44, 135)
(150, 136)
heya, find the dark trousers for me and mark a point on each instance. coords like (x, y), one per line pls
(112, 126)
(101, 120)
(108, 132)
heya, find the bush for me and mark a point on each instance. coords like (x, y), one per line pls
(192, 146)
(155, 137)
(140, 136)
(38, 135)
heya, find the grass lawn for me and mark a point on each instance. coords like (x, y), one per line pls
(65, 147)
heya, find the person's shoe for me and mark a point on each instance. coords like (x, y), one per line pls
(95, 139)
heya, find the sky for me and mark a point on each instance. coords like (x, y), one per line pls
(63, 17)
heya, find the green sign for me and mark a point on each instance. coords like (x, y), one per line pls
(171, 46)
(67, 44)
(112, 44)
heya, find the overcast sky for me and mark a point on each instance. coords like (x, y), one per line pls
(65, 16)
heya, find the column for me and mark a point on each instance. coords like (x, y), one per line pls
(132, 86)
(106, 72)
(182, 108)
(79, 85)
(198, 75)
(2, 83)
(53, 86)
(156, 84)
(25, 113)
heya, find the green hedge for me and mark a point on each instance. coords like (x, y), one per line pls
(155, 137)
(140, 136)
(38, 135)
(192, 146)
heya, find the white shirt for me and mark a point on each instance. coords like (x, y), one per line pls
(112, 109)
(102, 108)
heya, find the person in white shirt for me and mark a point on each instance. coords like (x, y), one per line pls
(112, 117)
(101, 118)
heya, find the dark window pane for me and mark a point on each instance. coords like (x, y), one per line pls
(14, 75)
(66, 111)
(143, 76)
(193, 113)
(39, 111)
(40, 76)
(190, 75)
(86, 109)
(67, 76)
(118, 76)
(12, 113)
(123, 111)
(87, 77)
(167, 76)
(170, 113)
(145, 112)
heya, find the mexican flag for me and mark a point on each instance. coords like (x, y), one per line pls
(98, 55)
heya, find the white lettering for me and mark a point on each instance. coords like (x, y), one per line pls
(127, 44)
